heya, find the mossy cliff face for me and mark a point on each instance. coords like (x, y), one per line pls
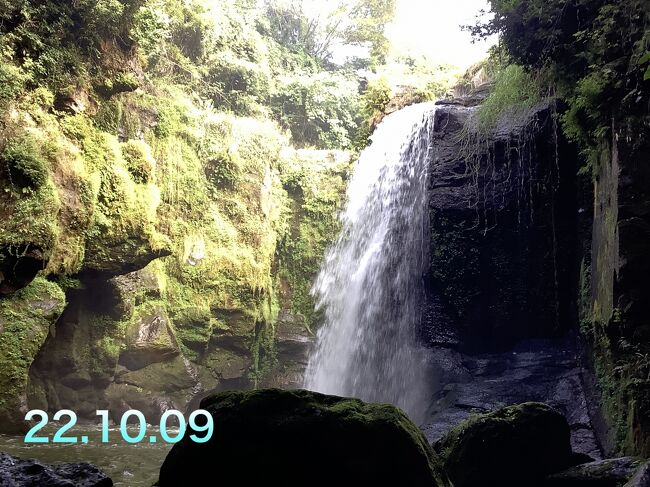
(178, 230)
(315, 182)
(514, 445)
(246, 227)
(615, 313)
(25, 320)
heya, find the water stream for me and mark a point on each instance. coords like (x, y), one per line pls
(371, 282)
(127, 464)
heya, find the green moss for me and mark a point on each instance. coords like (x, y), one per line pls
(510, 446)
(152, 168)
(315, 182)
(123, 82)
(25, 319)
(24, 164)
(12, 83)
(376, 442)
(139, 161)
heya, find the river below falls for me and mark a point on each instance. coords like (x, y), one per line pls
(128, 465)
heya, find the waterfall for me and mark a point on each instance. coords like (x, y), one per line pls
(370, 284)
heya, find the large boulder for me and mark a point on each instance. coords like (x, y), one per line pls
(512, 446)
(15, 472)
(298, 438)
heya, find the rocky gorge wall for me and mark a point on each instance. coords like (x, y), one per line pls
(616, 310)
(503, 231)
(525, 247)
(151, 248)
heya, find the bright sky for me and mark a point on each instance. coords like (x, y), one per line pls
(432, 28)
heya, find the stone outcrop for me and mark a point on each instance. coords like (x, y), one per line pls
(612, 472)
(298, 438)
(501, 216)
(615, 304)
(509, 222)
(25, 320)
(548, 371)
(113, 349)
(16, 472)
(523, 247)
(18, 266)
(512, 446)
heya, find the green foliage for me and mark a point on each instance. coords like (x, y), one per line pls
(321, 110)
(359, 23)
(592, 55)
(23, 164)
(514, 92)
(315, 182)
(12, 83)
(139, 160)
(367, 24)
(584, 122)
(129, 141)
(376, 97)
(645, 59)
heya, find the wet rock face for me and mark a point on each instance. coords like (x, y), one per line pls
(538, 370)
(513, 446)
(502, 232)
(612, 472)
(15, 472)
(293, 342)
(618, 301)
(298, 438)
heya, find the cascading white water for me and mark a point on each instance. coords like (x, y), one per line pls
(371, 282)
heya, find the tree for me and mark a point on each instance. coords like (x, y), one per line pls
(301, 25)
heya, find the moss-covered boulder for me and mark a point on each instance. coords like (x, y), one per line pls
(298, 438)
(513, 446)
(25, 319)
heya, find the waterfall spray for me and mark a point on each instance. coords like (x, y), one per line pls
(370, 285)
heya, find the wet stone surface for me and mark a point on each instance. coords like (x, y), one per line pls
(537, 370)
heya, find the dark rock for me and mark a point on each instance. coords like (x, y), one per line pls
(641, 477)
(502, 231)
(513, 446)
(612, 472)
(15, 472)
(617, 301)
(130, 254)
(74, 100)
(19, 265)
(298, 438)
(293, 342)
(122, 83)
(545, 371)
